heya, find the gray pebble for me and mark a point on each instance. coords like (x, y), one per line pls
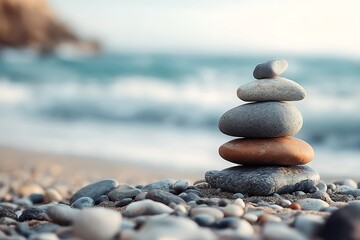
(83, 202)
(275, 89)
(36, 198)
(172, 227)
(62, 214)
(237, 195)
(164, 197)
(228, 222)
(95, 190)
(23, 202)
(164, 185)
(330, 209)
(269, 179)
(279, 231)
(331, 186)
(124, 202)
(270, 69)
(190, 197)
(322, 186)
(44, 236)
(299, 193)
(180, 185)
(8, 213)
(261, 120)
(312, 204)
(33, 214)
(204, 220)
(351, 183)
(7, 221)
(122, 192)
(102, 198)
(202, 185)
(310, 225)
(216, 213)
(146, 207)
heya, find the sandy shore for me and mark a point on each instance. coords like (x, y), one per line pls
(75, 169)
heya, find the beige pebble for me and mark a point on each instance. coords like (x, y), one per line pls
(51, 195)
(29, 188)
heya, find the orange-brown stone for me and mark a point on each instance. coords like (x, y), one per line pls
(269, 151)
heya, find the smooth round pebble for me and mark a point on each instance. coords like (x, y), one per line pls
(44, 236)
(261, 120)
(274, 89)
(270, 68)
(146, 207)
(239, 202)
(97, 223)
(204, 220)
(123, 191)
(279, 231)
(252, 218)
(52, 195)
(95, 190)
(180, 185)
(33, 214)
(232, 210)
(310, 225)
(124, 202)
(164, 197)
(83, 202)
(268, 151)
(310, 204)
(62, 214)
(174, 228)
(216, 213)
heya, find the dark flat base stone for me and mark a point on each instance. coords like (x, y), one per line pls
(263, 181)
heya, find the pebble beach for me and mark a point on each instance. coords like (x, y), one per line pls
(52, 199)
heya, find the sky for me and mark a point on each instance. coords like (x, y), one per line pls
(325, 27)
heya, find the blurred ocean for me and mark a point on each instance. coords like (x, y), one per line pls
(164, 108)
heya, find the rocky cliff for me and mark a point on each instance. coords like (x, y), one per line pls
(32, 24)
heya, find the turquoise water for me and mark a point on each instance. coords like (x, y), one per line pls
(164, 108)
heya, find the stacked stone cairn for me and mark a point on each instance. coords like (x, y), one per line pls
(270, 160)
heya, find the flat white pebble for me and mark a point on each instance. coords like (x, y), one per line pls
(312, 204)
(97, 223)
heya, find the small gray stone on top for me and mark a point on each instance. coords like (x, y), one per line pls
(270, 69)
(274, 89)
(263, 181)
(95, 190)
(261, 120)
